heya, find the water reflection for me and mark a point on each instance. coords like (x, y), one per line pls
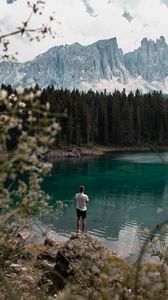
(129, 241)
(147, 157)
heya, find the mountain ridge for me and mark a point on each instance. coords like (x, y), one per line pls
(98, 66)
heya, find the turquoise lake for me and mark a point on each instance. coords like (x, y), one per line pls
(126, 193)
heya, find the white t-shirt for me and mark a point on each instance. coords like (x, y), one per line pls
(81, 200)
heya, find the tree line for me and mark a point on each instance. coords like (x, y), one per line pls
(108, 118)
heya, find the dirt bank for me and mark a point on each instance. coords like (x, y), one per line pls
(76, 152)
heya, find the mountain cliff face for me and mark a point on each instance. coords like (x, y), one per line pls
(98, 66)
(149, 61)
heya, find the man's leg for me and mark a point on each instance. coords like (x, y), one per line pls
(78, 224)
(83, 225)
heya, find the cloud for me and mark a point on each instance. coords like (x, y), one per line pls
(165, 2)
(127, 16)
(89, 8)
(126, 3)
(79, 24)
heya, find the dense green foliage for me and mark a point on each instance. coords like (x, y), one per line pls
(110, 119)
(26, 127)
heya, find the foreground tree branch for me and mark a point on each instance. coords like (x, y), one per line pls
(40, 32)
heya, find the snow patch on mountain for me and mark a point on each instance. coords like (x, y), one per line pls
(132, 85)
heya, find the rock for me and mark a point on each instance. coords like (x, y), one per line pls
(82, 261)
(29, 278)
(54, 281)
(47, 275)
(26, 256)
(62, 264)
(23, 235)
(95, 270)
(45, 265)
(12, 275)
(76, 152)
(53, 297)
(23, 269)
(16, 268)
(49, 242)
(74, 236)
(77, 250)
(73, 154)
(49, 256)
(86, 152)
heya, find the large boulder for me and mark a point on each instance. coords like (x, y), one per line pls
(81, 262)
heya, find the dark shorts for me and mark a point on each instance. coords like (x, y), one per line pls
(81, 213)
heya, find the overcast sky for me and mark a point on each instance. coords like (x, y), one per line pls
(86, 21)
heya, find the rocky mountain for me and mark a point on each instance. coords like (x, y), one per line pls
(150, 61)
(101, 65)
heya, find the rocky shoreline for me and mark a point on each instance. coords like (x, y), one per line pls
(46, 269)
(75, 152)
(79, 268)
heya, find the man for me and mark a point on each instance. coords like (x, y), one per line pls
(81, 208)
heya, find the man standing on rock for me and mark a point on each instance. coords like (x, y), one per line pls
(81, 208)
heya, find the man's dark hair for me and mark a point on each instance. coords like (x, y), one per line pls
(82, 188)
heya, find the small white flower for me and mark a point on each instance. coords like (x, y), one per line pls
(20, 90)
(29, 96)
(3, 94)
(56, 126)
(22, 104)
(13, 97)
(47, 106)
(38, 93)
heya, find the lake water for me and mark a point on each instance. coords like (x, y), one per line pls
(125, 192)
